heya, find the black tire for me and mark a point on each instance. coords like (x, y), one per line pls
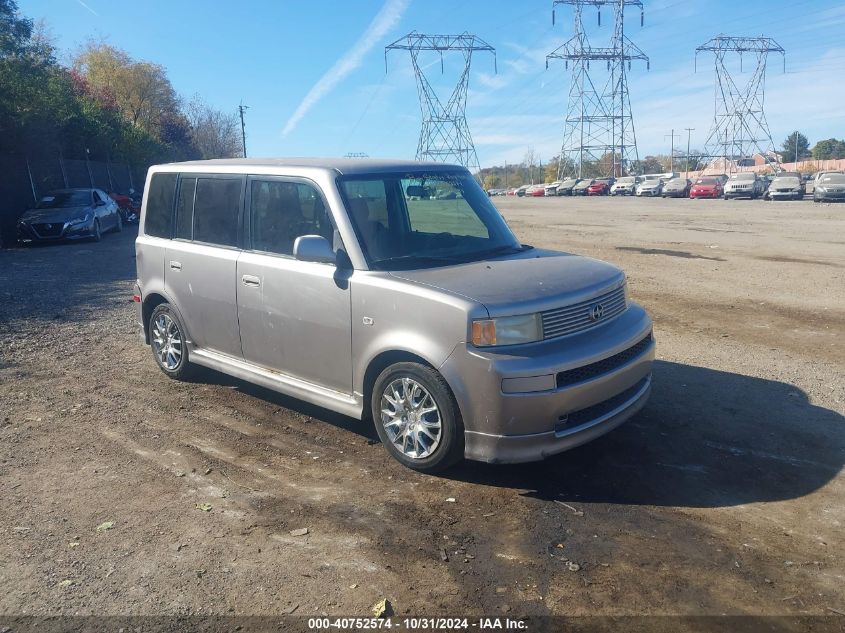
(119, 226)
(450, 447)
(98, 234)
(183, 369)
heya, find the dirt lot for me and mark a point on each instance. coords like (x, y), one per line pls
(725, 495)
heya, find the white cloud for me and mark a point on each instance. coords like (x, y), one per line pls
(389, 15)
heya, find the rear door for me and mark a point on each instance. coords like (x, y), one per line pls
(294, 316)
(201, 259)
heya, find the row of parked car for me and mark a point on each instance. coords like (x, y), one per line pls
(827, 186)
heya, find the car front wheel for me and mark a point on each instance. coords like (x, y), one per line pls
(417, 418)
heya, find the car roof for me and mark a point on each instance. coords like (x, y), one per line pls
(343, 166)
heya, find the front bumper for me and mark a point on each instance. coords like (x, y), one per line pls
(649, 193)
(705, 194)
(786, 195)
(532, 401)
(39, 232)
(739, 193)
(675, 194)
(830, 196)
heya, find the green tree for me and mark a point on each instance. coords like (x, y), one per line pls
(796, 147)
(829, 149)
(141, 89)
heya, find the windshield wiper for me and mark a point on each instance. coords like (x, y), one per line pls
(419, 258)
(507, 249)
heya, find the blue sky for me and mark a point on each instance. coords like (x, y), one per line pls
(313, 73)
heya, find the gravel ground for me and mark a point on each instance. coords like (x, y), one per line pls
(126, 493)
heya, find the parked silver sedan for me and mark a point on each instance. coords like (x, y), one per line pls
(676, 188)
(70, 214)
(830, 188)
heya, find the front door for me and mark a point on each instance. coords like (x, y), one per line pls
(294, 316)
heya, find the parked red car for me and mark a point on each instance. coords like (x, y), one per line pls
(600, 187)
(707, 187)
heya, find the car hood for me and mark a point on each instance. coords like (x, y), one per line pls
(55, 215)
(650, 185)
(678, 186)
(704, 186)
(531, 281)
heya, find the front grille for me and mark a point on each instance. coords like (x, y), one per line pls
(583, 416)
(48, 230)
(607, 365)
(577, 317)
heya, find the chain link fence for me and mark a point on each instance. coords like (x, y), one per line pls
(24, 180)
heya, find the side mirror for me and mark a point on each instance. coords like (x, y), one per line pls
(100, 203)
(314, 248)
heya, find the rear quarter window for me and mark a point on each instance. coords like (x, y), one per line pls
(158, 221)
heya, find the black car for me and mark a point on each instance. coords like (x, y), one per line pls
(70, 214)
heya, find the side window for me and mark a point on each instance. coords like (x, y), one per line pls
(282, 211)
(158, 221)
(216, 205)
(185, 208)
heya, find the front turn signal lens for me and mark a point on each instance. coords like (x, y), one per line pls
(484, 333)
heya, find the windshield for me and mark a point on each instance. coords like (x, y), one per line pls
(675, 182)
(625, 181)
(706, 181)
(786, 180)
(65, 199)
(834, 179)
(424, 219)
(742, 177)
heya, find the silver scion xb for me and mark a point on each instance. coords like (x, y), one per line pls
(393, 292)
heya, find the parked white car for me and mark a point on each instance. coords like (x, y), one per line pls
(650, 187)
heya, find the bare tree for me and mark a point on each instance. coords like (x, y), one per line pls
(530, 161)
(215, 134)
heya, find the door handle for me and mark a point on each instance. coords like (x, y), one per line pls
(175, 265)
(251, 280)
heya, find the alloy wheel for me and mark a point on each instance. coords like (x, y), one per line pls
(167, 341)
(411, 418)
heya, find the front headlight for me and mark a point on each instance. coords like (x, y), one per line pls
(81, 220)
(526, 328)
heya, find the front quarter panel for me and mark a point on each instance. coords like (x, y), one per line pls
(390, 314)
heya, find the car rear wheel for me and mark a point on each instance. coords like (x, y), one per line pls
(118, 227)
(167, 341)
(97, 234)
(417, 418)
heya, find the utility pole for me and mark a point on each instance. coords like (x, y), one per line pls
(796, 149)
(241, 109)
(689, 133)
(672, 151)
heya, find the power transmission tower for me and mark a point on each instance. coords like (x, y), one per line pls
(445, 135)
(739, 127)
(599, 125)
